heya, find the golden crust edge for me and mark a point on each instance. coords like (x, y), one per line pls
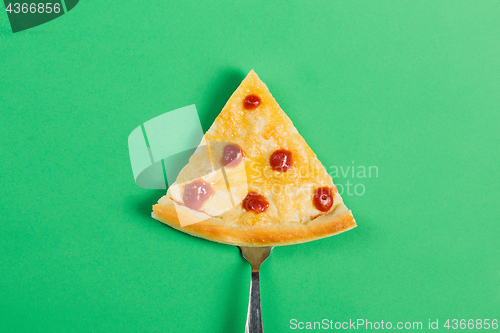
(213, 229)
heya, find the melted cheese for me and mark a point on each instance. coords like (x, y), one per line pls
(259, 133)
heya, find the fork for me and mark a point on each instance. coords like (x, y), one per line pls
(255, 256)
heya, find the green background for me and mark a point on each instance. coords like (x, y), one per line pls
(412, 87)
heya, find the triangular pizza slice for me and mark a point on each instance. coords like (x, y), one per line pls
(254, 181)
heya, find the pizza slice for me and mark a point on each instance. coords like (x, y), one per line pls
(254, 181)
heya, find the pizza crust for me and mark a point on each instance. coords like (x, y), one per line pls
(259, 235)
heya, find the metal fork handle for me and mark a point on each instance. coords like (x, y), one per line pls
(254, 316)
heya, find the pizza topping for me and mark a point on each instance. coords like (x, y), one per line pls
(323, 199)
(281, 160)
(251, 102)
(255, 202)
(231, 156)
(196, 193)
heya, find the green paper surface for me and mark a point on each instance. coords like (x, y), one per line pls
(165, 140)
(408, 88)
